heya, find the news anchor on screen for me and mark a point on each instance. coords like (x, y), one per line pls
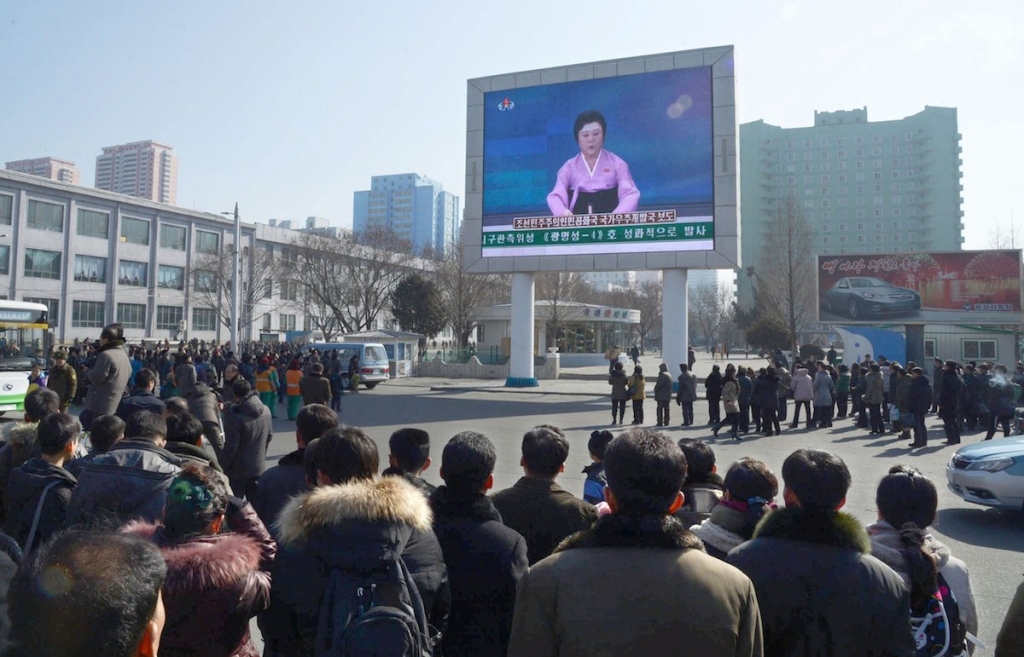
(595, 181)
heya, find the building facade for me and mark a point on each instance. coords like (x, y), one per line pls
(415, 207)
(146, 169)
(863, 187)
(47, 167)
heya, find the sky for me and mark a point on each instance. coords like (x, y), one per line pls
(290, 107)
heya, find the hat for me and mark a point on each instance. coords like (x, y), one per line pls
(61, 354)
(264, 361)
(317, 368)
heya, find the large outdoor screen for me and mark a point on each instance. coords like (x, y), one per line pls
(611, 165)
(627, 164)
(976, 287)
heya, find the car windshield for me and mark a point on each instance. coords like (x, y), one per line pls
(868, 282)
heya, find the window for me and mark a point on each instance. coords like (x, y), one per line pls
(877, 212)
(204, 319)
(46, 216)
(896, 212)
(207, 242)
(93, 224)
(978, 349)
(929, 347)
(823, 142)
(896, 225)
(808, 180)
(877, 200)
(842, 214)
(877, 175)
(841, 141)
(878, 225)
(287, 322)
(172, 237)
(42, 264)
(824, 179)
(790, 157)
(860, 165)
(266, 322)
(842, 226)
(6, 209)
(879, 238)
(290, 290)
(171, 278)
(825, 191)
(860, 239)
(860, 214)
(840, 153)
(826, 240)
(135, 231)
(169, 317)
(88, 314)
(823, 155)
(808, 167)
(809, 203)
(895, 162)
(824, 166)
(53, 309)
(895, 174)
(842, 202)
(90, 269)
(824, 203)
(133, 273)
(826, 215)
(897, 238)
(205, 281)
(876, 139)
(807, 143)
(841, 166)
(842, 177)
(911, 223)
(843, 239)
(5, 259)
(911, 212)
(825, 228)
(859, 140)
(132, 315)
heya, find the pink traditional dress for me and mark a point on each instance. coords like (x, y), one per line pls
(607, 188)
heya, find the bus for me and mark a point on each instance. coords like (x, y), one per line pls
(24, 341)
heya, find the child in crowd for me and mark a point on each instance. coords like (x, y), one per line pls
(593, 487)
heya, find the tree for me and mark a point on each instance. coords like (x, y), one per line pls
(417, 306)
(558, 288)
(645, 297)
(1004, 237)
(710, 309)
(462, 292)
(213, 281)
(768, 332)
(785, 270)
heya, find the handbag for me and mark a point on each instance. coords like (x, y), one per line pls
(894, 413)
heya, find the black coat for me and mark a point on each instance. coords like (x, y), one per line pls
(819, 589)
(765, 392)
(951, 389)
(23, 492)
(142, 400)
(278, 485)
(248, 429)
(486, 560)
(714, 384)
(919, 397)
(544, 513)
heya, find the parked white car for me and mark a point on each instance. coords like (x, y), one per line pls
(990, 472)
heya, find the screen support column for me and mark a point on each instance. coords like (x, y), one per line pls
(520, 367)
(914, 334)
(674, 329)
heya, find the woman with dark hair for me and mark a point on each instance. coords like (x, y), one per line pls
(595, 181)
(620, 384)
(750, 490)
(907, 501)
(216, 582)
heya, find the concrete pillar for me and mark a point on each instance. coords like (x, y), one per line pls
(520, 369)
(674, 330)
(542, 337)
(914, 334)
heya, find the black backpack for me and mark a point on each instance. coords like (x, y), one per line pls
(938, 630)
(373, 614)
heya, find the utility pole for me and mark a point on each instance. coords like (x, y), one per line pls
(236, 283)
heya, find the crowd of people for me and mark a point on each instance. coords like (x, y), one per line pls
(167, 536)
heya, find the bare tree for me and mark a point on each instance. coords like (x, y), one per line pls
(785, 269)
(1004, 237)
(710, 309)
(213, 281)
(463, 293)
(558, 288)
(645, 297)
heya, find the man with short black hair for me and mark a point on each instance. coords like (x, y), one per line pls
(637, 582)
(185, 440)
(703, 488)
(106, 600)
(108, 376)
(248, 429)
(40, 489)
(131, 480)
(409, 457)
(21, 439)
(817, 584)
(485, 559)
(288, 478)
(106, 430)
(536, 507)
(143, 398)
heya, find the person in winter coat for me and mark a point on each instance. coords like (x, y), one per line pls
(593, 486)
(143, 398)
(1010, 641)
(108, 376)
(636, 384)
(63, 380)
(315, 389)
(40, 489)
(292, 376)
(817, 585)
(766, 397)
(216, 580)
(202, 403)
(743, 378)
(824, 390)
(353, 522)
(702, 489)
(842, 391)
(185, 440)
(907, 501)
(619, 383)
(731, 401)
(951, 390)
(248, 429)
(750, 490)
(130, 481)
(267, 385)
(873, 397)
(663, 394)
(919, 400)
(1001, 405)
(713, 386)
(803, 392)
(901, 399)
(687, 393)
(486, 560)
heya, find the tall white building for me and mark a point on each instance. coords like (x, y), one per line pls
(146, 169)
(415, 207)
(47, 167)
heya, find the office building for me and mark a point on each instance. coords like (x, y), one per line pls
(415, 207)
(882, 187)
(146, 169)
(47, 167)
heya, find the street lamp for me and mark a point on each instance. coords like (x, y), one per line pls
(236, 282)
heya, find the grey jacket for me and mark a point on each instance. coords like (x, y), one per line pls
(248, 429)
(663, 387)
(108, 378)
(823, 387)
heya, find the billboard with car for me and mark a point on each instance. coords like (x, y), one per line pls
(962, 287)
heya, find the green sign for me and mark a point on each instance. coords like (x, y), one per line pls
(703, 230)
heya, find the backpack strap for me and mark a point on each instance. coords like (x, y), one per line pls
(38, 514)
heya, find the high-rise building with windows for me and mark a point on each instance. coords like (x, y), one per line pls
(882, 187)
(47, 167)
(146, 169)
(415, 207)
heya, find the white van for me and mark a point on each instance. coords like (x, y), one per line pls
(373, 359)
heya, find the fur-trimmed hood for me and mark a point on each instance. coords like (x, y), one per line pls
(359, 524)
(830, 528)
(625, 531)
(202, 563)
(22, 434)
